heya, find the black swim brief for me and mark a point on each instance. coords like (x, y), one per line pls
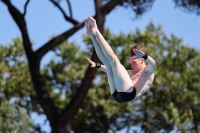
(121, 97)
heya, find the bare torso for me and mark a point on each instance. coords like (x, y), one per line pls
(141, 80)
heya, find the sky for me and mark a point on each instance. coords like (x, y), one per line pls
(43, 21)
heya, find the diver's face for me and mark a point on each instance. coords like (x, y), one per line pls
(135, 62)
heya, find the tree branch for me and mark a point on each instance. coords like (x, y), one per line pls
(25, 7)
(21, 23)
(71, 110)
(70, 9)
(106, 9)
(69, 19)
(34, 64)
(58, 40)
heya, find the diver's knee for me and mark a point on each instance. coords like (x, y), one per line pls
(115, 60)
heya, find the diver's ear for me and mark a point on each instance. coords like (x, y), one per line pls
(143, 60)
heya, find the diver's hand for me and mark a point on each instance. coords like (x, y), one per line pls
(93, 64)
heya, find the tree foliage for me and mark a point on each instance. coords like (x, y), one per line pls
(14, 119)
(192, 6)
(14, 74)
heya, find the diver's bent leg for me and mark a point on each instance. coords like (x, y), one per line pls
(106, 63)
(122, 79)
(99, 52)
(110, 78)
(105, 47)
(116, 72)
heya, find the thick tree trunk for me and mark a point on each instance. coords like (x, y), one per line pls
(62, 126)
